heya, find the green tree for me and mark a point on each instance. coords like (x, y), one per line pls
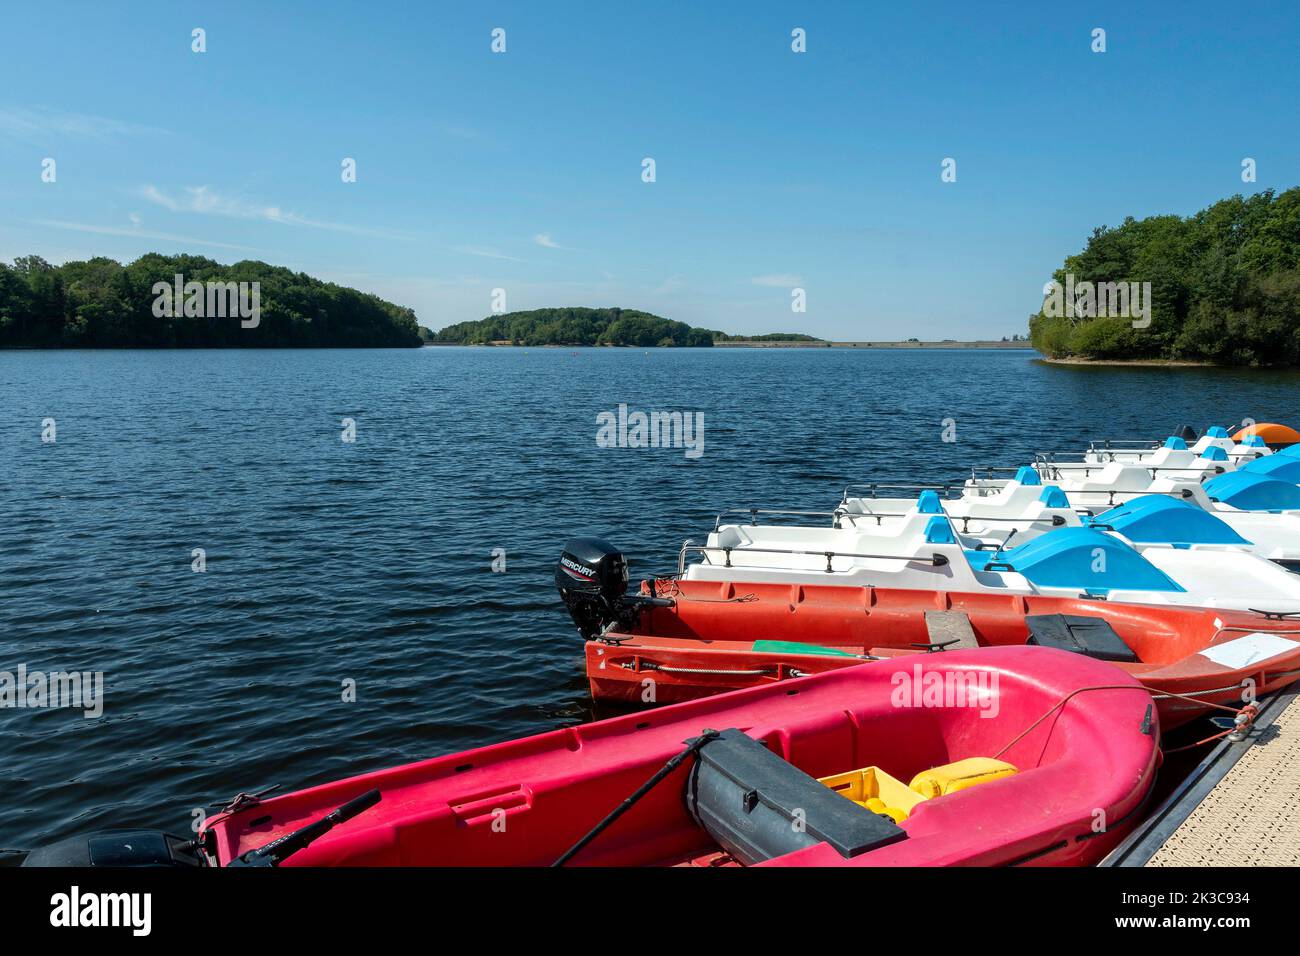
(1223, 286)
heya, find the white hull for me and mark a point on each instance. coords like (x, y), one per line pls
(799, 555)
(991, 517)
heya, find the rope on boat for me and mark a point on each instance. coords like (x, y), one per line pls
(698, 670)
(1199, 693)
(739, 599)
(1061, 703)
(1244, 721)
(673, 590)
(1221, 690)
(1245, 716)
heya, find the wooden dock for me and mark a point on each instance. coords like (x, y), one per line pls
(1239, 807)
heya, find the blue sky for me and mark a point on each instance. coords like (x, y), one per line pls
(522, 170)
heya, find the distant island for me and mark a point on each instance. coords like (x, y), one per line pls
(100, 303)
(1014, 342)
(1221, 287)
(579, 326)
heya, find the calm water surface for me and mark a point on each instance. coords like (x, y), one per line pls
(370, 561)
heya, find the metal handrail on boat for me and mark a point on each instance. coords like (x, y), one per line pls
(1057, 520)
(873, 485)
(1122, 443)
(1135, 454)
(755, 512)
(990, 470)
(1183, 493)
(1055, 469)
(935, 560)
(1056, 458)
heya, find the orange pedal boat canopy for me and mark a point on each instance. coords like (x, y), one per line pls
(1271, 432)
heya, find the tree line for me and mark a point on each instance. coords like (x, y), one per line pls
(1224, 286)
(578, 326)
(100, 303)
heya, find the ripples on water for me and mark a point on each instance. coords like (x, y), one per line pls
(372, 560)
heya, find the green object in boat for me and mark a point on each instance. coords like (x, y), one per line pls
(793, 647)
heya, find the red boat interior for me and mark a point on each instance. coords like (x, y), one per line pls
(526, 802)
(859, 620)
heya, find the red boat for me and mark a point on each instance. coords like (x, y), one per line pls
(705, 637)
(1015, 755)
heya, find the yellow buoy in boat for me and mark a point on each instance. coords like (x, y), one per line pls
(876, 790)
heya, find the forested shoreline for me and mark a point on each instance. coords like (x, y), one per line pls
(100, 303)
(1224, 287)
(580, 326)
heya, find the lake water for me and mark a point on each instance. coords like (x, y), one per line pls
(371, 560)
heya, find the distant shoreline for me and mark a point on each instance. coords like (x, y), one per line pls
(1137, 363)
(786, 344)
(978, 344)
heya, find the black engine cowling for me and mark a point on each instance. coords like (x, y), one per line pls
(592, 580)
(116, 848)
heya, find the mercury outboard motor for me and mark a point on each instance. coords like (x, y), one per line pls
(116, 848)
(592, 580)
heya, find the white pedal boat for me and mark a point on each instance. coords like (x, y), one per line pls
(1168, 462)
(1147, 453)
(923, 551)
(1024, 510)
(1258, 508)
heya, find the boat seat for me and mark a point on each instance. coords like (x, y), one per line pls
(945, 626)
(1090, 636)
(748, 800)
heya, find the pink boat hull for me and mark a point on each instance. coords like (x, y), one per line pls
(1086, 766)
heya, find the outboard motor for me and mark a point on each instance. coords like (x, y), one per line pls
(592, 580)
(119, 848)
(1187, 433)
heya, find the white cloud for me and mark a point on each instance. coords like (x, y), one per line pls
(40, 124)
(485, 252)
(543, 239)
(140, 234)
(783, 280)
(204, 201)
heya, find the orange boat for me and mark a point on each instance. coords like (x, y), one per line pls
(690, 639)
(1274, 435)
